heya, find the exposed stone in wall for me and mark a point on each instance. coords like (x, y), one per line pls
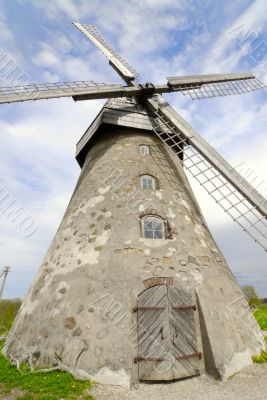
(70, 322)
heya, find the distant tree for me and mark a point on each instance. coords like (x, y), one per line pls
(251, 295)
(250, 292)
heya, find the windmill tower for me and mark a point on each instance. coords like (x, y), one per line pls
(133, 286)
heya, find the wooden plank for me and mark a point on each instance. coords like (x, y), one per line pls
(203, 79)
(77, 90)
(154, 335)
(183, 334)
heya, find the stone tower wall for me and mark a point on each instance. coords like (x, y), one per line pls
(79, 308)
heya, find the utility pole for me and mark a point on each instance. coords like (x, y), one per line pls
(4, 274)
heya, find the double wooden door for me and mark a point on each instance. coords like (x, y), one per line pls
(167, 343)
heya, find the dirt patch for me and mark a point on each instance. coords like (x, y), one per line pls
(250, 383)
(14, 395)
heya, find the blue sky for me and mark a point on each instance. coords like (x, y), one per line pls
(159, 38)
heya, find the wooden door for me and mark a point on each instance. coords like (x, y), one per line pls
(166, 334)
(186, 358)
(154, 335)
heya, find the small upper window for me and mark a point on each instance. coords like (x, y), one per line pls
(144, 150)
(148, 182)
(153, 228)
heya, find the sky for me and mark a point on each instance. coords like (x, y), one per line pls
(160, 38)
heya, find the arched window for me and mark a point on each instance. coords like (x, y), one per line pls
(153, 227)
(148, 182)
(144, 150)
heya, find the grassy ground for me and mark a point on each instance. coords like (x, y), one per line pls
(25, 385)
(8, 311)
(261, 358)
(261, 317)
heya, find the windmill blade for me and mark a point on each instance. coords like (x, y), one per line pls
(116, 61)
(208, 86)
(80, 90)
(224, 184)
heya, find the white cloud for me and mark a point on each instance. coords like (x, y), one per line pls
(46, 57)
(5, 31)
(252, 21)
(58, 9)
(50, 77)
(38, 169)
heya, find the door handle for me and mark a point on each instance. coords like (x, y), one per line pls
(175, 334)
(161, 331)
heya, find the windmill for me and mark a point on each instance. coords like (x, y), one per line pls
(133, 286)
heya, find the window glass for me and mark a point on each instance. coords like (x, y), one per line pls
(153, 228)
(144, 150)
(148, 182)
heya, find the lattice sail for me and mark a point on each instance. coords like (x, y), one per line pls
(210, 90)
(226, 195)
(93, 90)
(92, 33)
(209, 86)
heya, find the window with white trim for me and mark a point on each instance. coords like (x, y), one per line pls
(144, 150)
(148, 182)
(153, 227)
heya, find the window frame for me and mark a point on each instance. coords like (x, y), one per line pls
(153, 218)
(147, 178)
(146, 150)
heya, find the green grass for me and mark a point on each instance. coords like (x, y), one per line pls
(8, 311)
(261, 358)
(261, 317)
(52, 385)
(263, 306)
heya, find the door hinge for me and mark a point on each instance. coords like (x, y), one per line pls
(160, 359)
(148, 308)
(186, 356)
(139, 358)
(185, 307)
